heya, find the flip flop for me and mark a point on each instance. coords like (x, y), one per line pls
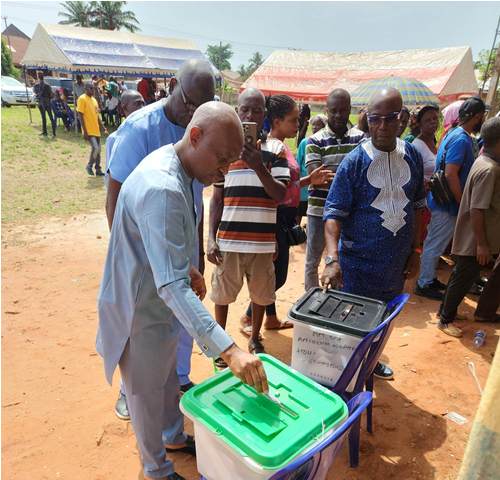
(246, 329)
(189, 447)
(255, 346)
(282, 326)
(219, 363)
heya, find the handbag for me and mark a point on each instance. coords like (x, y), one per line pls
(438, 185)
(295, 235)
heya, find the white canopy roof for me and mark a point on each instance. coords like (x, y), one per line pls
(90, 50)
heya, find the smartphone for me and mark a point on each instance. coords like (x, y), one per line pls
(250, 132)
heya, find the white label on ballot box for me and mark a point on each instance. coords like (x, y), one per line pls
(322, 354)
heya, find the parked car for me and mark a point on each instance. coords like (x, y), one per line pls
(14, 93)
(64, 85)
(131, 84)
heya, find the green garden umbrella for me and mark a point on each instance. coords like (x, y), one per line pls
(415, 93)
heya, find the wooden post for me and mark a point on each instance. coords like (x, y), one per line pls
(74, 101)
(27, 95)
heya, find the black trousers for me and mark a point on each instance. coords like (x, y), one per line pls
(465, 272)
(490, 298)
(45, 109)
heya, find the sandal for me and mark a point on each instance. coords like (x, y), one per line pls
(189, 447)
(282, 325)
(246, 327)
(255, 346)
(220, 364)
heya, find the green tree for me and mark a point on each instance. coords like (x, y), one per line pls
(243, 72)
(76, 13)
(482, 62)
(253, 64)
(111, 16)
(220, 55)
(8, 67)
(103, 15)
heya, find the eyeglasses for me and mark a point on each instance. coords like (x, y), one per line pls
(188, 103)
(375, 119)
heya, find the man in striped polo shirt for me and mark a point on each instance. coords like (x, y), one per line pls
(242, 233)
(327, 147)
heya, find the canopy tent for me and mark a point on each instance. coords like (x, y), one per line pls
(69, 49)
(310, 76)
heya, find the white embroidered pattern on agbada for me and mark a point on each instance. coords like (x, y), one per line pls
(390, 176)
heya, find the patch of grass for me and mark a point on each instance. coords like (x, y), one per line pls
(42, 176)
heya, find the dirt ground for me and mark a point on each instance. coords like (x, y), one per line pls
(57, 409)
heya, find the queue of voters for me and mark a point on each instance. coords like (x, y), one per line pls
(360, 199)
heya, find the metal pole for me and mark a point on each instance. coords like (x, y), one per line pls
(27, 96)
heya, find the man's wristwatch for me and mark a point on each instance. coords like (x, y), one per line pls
(329, 260)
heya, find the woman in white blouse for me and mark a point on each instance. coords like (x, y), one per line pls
(425, 143)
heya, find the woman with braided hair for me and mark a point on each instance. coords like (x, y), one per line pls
(283, 115)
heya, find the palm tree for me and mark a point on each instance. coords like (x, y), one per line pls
(111, 16)
(104, 15)
(76, 13)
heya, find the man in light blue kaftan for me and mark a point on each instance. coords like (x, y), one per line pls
(148, 129)
(146, 292)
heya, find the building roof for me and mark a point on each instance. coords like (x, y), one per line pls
(18, 42)
(13, 31)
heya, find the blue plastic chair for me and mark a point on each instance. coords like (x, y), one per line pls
(364, 359)
(315, 463)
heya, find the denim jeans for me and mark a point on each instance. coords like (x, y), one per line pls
(315, 247)
(439, 235)
(95, 152)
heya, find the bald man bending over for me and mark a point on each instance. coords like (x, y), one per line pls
(147, 290)
(154, 126)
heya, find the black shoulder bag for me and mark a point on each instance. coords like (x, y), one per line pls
(438, 185)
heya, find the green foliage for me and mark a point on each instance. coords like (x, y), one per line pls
(8, 67)
(220, 55)
(103, 15)
(76, 13)
(253, 64)
(482, 62)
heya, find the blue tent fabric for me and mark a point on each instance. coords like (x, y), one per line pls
(83, 50)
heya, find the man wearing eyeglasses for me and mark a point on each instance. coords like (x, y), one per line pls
(372, 212)
(327, 147)
(162, 123)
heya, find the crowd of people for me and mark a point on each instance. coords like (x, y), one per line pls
(367, 193)
(54, 102)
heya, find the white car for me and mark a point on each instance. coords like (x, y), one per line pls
(14, 93)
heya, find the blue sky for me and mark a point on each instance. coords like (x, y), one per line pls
(328, 26)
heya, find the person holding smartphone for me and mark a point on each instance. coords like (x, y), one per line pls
(283, 114)
(242, 238)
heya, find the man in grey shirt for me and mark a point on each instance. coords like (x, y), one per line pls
(149, 284)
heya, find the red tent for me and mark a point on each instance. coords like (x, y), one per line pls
(310, 76)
